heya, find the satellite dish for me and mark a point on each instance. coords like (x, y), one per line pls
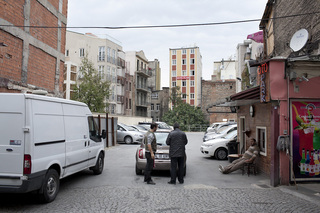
(299, 39)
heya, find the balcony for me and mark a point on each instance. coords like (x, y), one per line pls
(142, 88)
(144, 72)
(121, 80)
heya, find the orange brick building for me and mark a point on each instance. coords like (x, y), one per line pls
(31, 55)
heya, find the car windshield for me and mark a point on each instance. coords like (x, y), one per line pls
(161, 138)
(223, 129)
(163, 126)
(231, 135)
(139, 128)
(129, 128)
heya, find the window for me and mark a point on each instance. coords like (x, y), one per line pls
(261, 138)
(67, 53)
(184, 61)
(109, 54)
(192, 51)
(184, 72)
(174, 61)
(81, 52)
(192, 61)
(184, 51)
(101, 56)
(154, 95)
(184, 83)
(93, 130)
(174, 73)
(158, 107)
(152, 107)
(174, 83)
(192, 72)
(191, 96)
(113, 56)
(114, 76)
(184, 96)
(101, 71)
(191, 83)
(174, 52)
(108, 73)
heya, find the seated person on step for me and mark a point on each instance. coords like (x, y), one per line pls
(248, 157)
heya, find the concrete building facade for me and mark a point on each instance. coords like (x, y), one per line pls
(154, 81)
(159, 103)
(186, 73)
(32, 58)
(108, 59)
(139, 69)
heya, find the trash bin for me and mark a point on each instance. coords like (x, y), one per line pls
(232, 149)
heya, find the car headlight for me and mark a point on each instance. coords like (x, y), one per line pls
(206, 145)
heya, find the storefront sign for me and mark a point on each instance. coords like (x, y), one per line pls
(263, 76)
(183, 78)
(305, 134)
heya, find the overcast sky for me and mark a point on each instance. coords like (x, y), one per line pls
(215, 41)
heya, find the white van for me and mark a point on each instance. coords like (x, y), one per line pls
(44, 139)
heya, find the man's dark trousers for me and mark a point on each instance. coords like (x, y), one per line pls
(149, 167)
(177, 161)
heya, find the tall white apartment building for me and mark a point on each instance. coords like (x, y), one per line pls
(186, 72)
(108, 58)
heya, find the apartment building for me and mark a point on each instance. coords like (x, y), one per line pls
(159, 103)
(108, 58)
(139, 69)
(32, 58)
(154, 81)
(186, 72)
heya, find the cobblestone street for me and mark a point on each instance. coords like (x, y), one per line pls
(119, 189)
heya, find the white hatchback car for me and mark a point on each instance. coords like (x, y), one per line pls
(128, 134)
(218, 147)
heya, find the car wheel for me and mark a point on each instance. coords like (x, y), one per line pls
(98, 168)
(221, 154)
(138, 171)
(128, 140)
(50, 186)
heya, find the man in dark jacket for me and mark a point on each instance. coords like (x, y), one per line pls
(177, 141)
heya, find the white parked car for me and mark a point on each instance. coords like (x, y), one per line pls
(223, 131)
(218, 147)
(128, 134)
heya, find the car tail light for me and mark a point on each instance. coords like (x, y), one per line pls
(141, 153)
(27, 164)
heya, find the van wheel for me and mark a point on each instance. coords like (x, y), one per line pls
(98, 168)
(128, 140)
(50, 186)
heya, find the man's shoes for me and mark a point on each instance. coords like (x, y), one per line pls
(151, 182)
(221, 168)
(170, 182)
(181, 182)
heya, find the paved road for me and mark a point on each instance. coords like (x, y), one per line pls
(118, 189)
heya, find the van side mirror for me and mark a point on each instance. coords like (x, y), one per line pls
(104, 134)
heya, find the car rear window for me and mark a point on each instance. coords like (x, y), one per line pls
(161, 137)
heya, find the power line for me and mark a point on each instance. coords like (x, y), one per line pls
(167, 26)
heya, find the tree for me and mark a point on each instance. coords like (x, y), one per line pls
(183, 113)
(90, 88)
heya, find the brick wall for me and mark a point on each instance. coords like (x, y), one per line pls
(284, 28)
(40, 16)
(217, 91)
(33, 57)
(10, 57)
(41, 69)
(261, 118)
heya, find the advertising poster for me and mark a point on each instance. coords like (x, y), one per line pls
(305, 124)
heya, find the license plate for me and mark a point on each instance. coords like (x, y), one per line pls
(162, 156)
